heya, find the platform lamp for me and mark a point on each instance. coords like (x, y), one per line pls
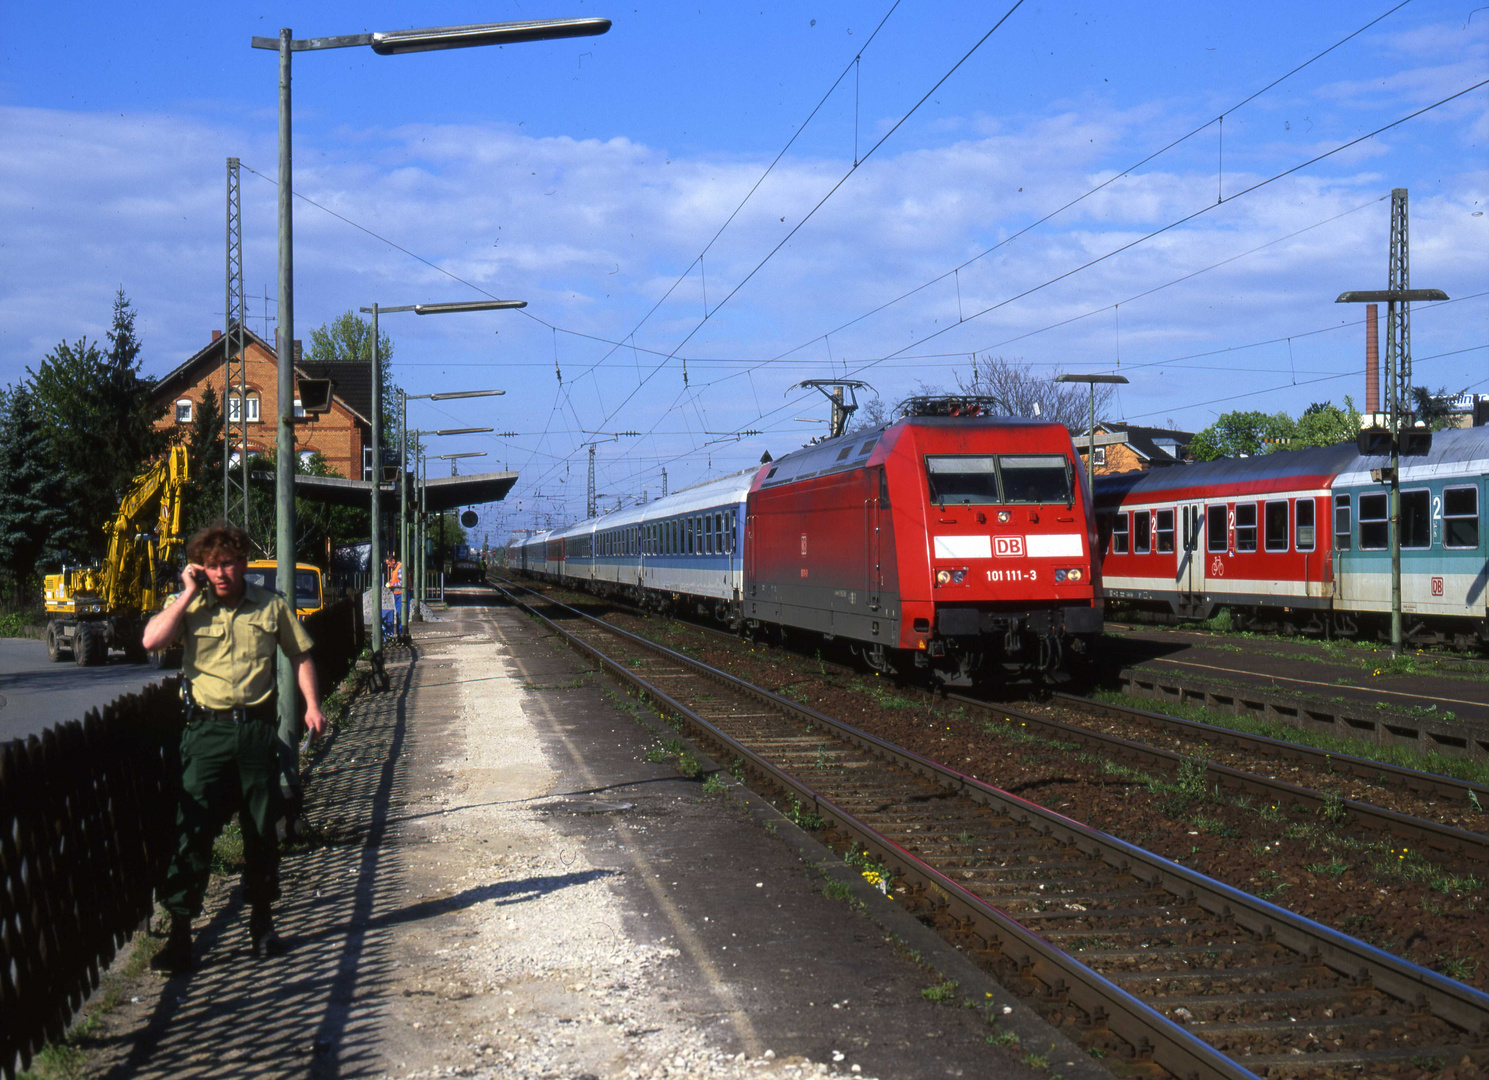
(385, 44)
(1091, 441)
(376, 554)
(413, 571)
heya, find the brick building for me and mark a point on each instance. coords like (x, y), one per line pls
(1129, 448)
(343, 435)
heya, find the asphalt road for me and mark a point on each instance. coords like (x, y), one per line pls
(36, 693)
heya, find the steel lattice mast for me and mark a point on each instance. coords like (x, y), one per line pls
(234, 422)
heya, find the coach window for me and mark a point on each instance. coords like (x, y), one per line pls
(733, 529)
(707, 534)
(1342, 528)
(1460, 517)
(1303, 525)
(1374, 526)
(1245, 526)
(1164, 528)
(1119, 534)
(1217, 533)
(1142, 521)
(718, 531)
(1416, 519)
(1276, 525)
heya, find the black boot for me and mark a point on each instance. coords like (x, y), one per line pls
(175, 956)
(261, 936)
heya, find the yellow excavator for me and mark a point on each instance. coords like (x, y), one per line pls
(91, 609)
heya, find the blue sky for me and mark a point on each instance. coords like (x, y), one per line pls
(586, 177)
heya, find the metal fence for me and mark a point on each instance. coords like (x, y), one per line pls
(87, 825)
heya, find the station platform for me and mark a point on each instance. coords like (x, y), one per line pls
(509, 881)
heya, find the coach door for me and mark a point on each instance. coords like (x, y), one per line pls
(1190, 575)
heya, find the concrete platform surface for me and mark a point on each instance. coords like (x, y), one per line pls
(506, 886)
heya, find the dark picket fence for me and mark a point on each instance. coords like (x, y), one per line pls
(87, 825)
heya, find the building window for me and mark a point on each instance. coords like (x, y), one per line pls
(299, 410)
(1416, 519)
(1217, 530)
(1245, 526)
(1165, 531)
(1460, 517)
(183, 411)
(235, 405)
(1374, 525)
(1119, 535)
(305, 456)
(1342, 528)
(1098, 455)
(1303, 526)
(1276, 525)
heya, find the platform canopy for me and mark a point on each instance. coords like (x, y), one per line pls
(441, 493)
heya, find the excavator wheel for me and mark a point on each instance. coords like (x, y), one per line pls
(89, 647)
(57, 649)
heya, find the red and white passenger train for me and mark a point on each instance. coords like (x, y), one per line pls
(958, 544)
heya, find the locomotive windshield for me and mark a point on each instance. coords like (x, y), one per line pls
(1005, 478)
(963, 479)
(1035, 478)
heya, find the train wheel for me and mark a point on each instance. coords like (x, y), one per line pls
(57, 649)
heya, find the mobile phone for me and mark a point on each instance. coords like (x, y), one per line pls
(200, 577)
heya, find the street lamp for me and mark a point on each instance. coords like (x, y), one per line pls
(1091, 442)
(376, 554)
(398, 41)
(413, 572)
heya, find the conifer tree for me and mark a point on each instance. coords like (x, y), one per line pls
(34, 527)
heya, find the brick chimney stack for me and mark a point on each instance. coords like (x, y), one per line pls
(1372, 360)
(216, 335)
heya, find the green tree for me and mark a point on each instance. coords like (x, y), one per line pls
(34, 526)
(1243, 434)
(94, 408)
(347, 339)
(1433, 409)
(1325, 424)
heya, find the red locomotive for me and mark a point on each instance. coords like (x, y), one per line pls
(952, 542)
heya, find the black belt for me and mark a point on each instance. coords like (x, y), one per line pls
(238, 714)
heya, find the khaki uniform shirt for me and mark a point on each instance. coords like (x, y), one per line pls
(229, 652)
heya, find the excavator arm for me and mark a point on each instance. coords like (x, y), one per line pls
(127, 578)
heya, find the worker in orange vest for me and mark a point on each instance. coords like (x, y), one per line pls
(395, 586)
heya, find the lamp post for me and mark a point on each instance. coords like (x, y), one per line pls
(451, 458)
(410, 568)
(385, 44)
(1091, 440)
(375, 556)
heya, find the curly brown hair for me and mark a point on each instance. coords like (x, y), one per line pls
(217, 539)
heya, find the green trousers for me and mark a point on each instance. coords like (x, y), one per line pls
(226, 766)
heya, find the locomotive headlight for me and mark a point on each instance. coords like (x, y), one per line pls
(943, 577)
(1074, 574)
(957, 576)
(1005, 516)
(1060, 576)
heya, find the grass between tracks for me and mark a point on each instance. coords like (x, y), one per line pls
(1461, 768)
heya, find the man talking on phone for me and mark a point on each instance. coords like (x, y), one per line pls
(229, 750)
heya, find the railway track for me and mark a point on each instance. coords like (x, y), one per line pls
(1412, 825)
(1138, 957)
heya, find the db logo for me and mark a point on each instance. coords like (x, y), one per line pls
(1437, 586)
(1008, 545)
(1217, 567)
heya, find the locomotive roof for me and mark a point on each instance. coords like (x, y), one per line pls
(853, 450)
(1453, 451)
